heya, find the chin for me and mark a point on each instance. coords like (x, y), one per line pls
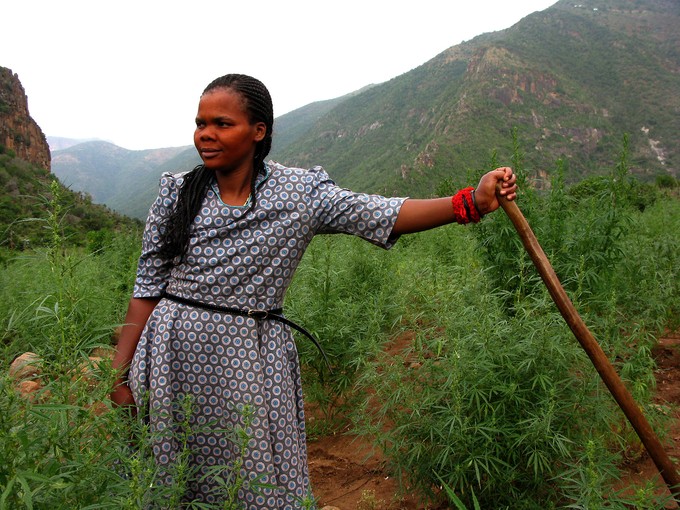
(208, 163)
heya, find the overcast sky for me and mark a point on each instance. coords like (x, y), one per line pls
(131, 71)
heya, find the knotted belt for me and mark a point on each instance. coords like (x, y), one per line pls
(275, 314)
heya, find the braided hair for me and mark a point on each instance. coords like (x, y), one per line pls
(259, 107)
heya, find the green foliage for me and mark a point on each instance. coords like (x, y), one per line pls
(586, 482)
(508, 264)
(446, 350)
(343, 294)
(494, 396)
(9, 152)
(666, 181)
(647, 280)
(59, 445)
(60, 302)
(485, 403)
(580, 228)
(28, 192)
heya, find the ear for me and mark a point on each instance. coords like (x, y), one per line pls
(260, 131)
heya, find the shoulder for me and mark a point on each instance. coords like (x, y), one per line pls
(172, 179)
(314, 176)
(171, 182)
(169, 185)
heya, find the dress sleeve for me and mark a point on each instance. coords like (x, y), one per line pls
(339, 210)
(153, 269)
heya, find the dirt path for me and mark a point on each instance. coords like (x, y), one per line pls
(667, 356)
(347, 475)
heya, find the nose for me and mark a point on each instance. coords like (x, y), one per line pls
(207, 134)
(204, 133)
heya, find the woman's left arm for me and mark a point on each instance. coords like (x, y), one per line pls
(418, 215)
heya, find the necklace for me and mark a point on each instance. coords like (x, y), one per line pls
(216, 190)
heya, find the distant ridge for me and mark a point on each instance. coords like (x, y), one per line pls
(571, 81)
(58, 143)
(124, 180)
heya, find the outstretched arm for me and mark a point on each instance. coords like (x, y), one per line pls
(418, 215)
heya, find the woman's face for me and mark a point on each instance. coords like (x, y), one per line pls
(224, 136)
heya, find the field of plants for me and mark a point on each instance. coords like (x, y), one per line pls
(492, 405)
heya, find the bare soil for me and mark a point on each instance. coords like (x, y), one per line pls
(348, 474)
(667, 356)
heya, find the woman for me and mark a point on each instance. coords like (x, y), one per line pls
(221, 242)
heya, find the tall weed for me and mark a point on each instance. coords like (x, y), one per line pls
(63, 445)
(494, 396)
(485, 403)
(343, 294)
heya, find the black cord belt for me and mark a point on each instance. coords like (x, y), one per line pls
(274, 315)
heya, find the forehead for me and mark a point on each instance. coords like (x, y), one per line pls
(222, 101)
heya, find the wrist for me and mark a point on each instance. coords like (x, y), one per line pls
(474, 203)
(464, 207)
(122, 379)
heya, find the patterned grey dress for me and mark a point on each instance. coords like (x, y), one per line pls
(238, 371)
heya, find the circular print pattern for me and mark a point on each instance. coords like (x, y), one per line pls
(203, 377)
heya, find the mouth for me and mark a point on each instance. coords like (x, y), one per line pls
(207, 152)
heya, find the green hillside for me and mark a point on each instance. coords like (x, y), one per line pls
(572, 80)
(31, 194)
(124, 180)
(135, 200)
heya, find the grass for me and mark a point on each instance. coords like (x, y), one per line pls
(493, 404)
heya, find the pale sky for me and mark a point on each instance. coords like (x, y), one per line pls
(131, 71)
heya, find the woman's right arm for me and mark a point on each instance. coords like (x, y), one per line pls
(152, 274)
(139, 310)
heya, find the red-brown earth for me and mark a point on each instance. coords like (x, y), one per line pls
(348, 474)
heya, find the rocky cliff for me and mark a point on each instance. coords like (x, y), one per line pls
(18, 131)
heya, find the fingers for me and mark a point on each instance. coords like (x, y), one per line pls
(505, 174)
(122, 395)
(508, 181)
(508, 177)
(486, 190)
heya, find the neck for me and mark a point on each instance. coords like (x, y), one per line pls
(234, 187)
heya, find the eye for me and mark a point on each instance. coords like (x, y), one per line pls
(199, 124)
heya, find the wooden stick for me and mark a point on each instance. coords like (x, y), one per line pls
(592, 348)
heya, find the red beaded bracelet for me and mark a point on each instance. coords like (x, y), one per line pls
(465, 207)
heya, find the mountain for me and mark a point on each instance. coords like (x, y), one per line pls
(19, 133)
(124, 180)
(294, 125)
(127, 181)
(572, 79)
(58, 143)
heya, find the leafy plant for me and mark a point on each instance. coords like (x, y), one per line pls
(446, 350)
(494, 396)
